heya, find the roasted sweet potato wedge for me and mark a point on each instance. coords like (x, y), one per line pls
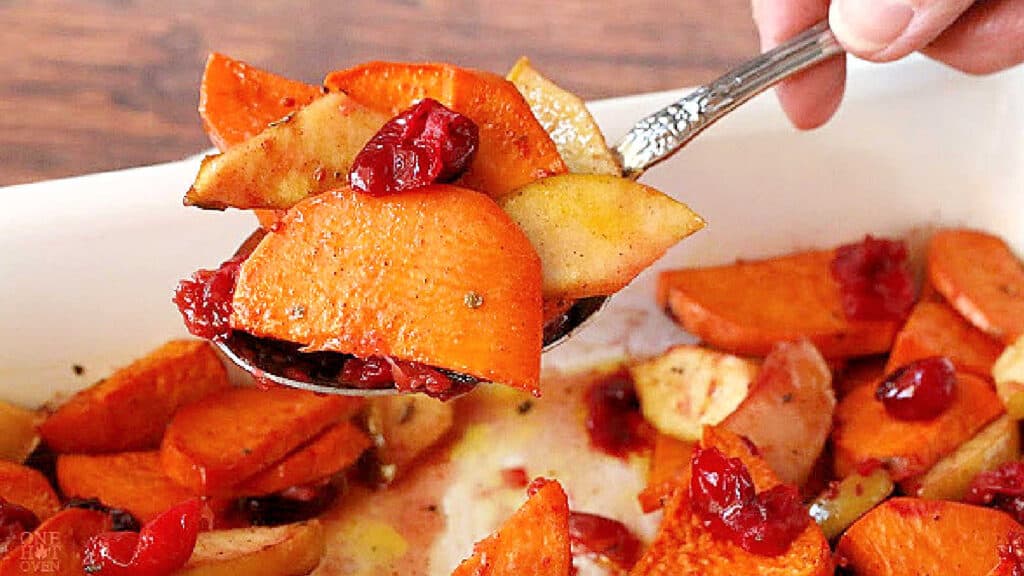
(912, 537)
(27, 488)
(745, 308)
(288, 550)
(130, 409)
(333, 450)
(438, 275)
(936, 329)
(979, 276)
(533, 542)
(514, 148)
(683, 546)
(132, 481)
(788, 412)
(237, 101)
(213, 445)
(670, 461)
(55, 547)
(865, 432)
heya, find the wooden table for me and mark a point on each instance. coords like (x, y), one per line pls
(91, 85)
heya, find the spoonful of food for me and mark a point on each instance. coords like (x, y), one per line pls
(650, 141)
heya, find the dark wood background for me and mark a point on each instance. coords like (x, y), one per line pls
(89, 85)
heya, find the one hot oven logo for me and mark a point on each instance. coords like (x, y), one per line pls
(40, 552)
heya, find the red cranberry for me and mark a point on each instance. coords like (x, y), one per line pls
(426, 143)
(515, 477)
(536, 485)
(614, 422)
(1011, 554)
(920, 390)
(15, 520)
(723, 497)
(874, 279)
(1001, 488)
(205, 300)
(592, 534)
(372, 372)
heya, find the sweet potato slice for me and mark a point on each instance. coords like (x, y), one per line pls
(27, 488)
(213, 445)
(132, 481)
(289, 550)
(670, 460)
(860, 372)
(747, 307)
(130, 409)
(438, 275)
(935, 329)
(981, 278)
(533, 542)
(865, 432)
(908, 536)
(333, 450)
(55, 547)
(788, 412)
(683, 546)
(514, 148)
(237, 101)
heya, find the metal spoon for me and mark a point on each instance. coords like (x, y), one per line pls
(650, 141)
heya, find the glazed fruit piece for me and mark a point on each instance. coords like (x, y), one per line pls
(130, 409)
(670, 463)
(745, 308)
(533, 542)
(162, 545)
(213, 445)
(471, 293)
(595, 233)
(514, 148)
(1008, 372)
(28, 488)
(305, 154)
(57, 544)
(289, 550)
(405, 428)
(685, 546)
(846, 500)
(864, 432)
(936, 329)
(908, 536)
(980, 277)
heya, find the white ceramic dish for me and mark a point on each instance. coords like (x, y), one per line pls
(87, 264)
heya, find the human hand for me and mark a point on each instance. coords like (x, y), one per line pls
(977, 37)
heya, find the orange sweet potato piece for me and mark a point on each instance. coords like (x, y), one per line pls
(981, 278)
(514, 148)
(132, 481)
(55, 547)
(333, 450)
(533, 542)
(911, 537)
(395, 276)
(237, 101)
(935, 329)
(215, 444)
(865, 432)
(27, 488)
(669, 461)
(747, 307)
(683, 546)
(861, 372)
(130, 409)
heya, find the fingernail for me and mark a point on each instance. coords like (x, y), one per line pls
(867, 26)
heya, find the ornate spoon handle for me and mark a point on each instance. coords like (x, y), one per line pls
(663, 133)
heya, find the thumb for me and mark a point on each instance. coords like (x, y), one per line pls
(884, 30)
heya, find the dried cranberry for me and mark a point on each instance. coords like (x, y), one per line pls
(372, 372)
(722, 495)
(515, 477)
(614, 421)
(920, 390)
(434, 382)
(162, 546)
(874, 279)
(1001, 488)
(597, 535)
(536, 485)
(1011, 555)
(424, 144)
(205, 299)
(15, 520)
(293, 504)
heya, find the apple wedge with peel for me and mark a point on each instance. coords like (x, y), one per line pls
(689, 387)
(301, 155)
(288, 550)
(594, 233)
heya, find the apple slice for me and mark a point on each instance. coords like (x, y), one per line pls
(566, 119)
(843, 502)
(689, 387)
(438, 275)
(405, 428)
(595, 233)
(18, 436)
(1008, 372)
(288, 550)
(301, 155)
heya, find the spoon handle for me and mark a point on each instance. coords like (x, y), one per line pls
(663, 133)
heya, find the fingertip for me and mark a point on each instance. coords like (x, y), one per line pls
(812, 97)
